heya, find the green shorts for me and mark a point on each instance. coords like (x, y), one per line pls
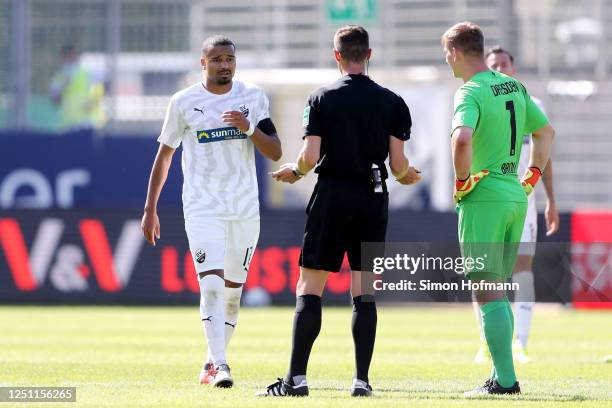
(492, 232)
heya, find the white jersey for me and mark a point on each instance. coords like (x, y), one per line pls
(218, 161)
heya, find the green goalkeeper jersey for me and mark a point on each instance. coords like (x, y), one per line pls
(500, 111)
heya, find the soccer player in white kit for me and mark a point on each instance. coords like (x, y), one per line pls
(501, 60)
(218, 121)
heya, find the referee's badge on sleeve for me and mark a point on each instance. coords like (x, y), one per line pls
(306, 118)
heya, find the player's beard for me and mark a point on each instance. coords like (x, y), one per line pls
(224, 79)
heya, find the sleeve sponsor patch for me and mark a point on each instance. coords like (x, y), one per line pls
(306, 118)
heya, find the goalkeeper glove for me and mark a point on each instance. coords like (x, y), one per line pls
(465, 187)
(530, 179)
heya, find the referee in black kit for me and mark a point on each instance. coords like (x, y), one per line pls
(351, 126)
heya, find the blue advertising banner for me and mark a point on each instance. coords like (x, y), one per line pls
(82, 170)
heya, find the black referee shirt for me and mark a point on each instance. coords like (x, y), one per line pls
(354, 117)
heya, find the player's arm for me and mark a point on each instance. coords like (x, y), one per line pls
(263, 134)
(159, 174)
(541, 146)
(465, 118)
(400, 167)
(550, 214)
(307, 160)
(268, 144)
(461, 142)
(311, 149)
(400, 129)
(542, 134)
(169, 139)
(465, 182)
(310, 154)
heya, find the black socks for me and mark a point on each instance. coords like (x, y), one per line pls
(307, 325)
(306, 328)
(364, 333)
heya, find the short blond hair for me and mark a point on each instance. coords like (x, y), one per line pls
(466, 37)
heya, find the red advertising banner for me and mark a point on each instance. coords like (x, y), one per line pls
(591, 236)
(101, 257)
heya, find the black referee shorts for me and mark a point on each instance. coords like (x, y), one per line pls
(341, 215)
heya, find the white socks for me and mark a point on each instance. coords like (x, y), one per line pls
(524, 300)
(232, 306)
(212, 312)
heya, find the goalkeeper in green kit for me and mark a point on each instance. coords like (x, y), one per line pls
(491, 113)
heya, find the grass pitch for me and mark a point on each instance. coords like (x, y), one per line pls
(151, 356)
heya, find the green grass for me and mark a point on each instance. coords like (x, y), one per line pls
(151, 356)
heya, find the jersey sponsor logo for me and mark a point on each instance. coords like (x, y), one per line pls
(219, 134)
(508, 168)
(244, 110)
(306, 118)
(504, 88)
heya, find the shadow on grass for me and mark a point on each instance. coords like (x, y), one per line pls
(428, 394)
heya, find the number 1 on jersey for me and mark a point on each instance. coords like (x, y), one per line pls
(510, 107)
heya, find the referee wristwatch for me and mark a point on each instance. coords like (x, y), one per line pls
(296, 172)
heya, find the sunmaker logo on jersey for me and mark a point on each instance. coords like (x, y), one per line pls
(219, 134)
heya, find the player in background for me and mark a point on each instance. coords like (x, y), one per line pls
(78, 92)
(218, 121)
(491, 113)
(499, 59)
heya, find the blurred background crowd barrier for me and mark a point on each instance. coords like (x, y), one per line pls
(84, 86)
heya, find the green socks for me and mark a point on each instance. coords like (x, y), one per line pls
(497, 323)
(509, 308)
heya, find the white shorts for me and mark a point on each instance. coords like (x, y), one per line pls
(226, 245)
(530, 229)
